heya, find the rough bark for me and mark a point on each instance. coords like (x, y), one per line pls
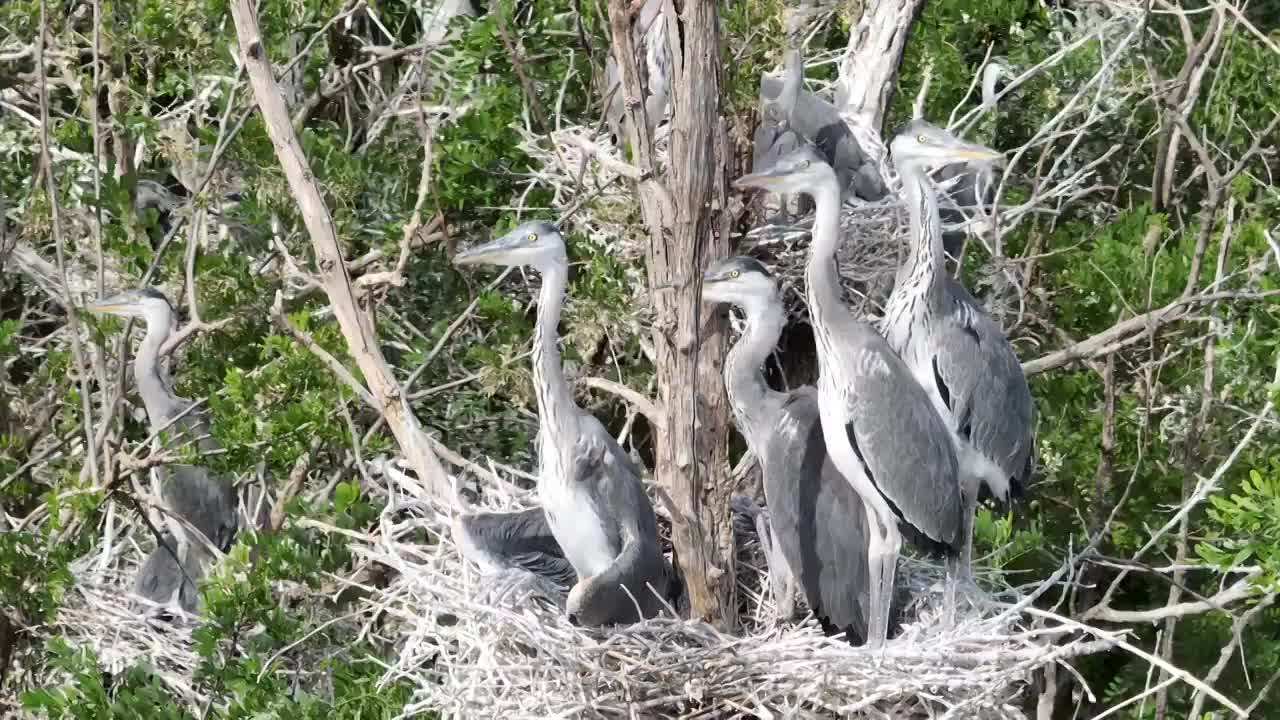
(681, 210)
(355, 324)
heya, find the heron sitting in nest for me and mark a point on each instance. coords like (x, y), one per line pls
(594, 501)
(194, 498)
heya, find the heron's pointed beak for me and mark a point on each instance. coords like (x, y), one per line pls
(763, 179)
(111, 305)
(979, 153)
(492, 252)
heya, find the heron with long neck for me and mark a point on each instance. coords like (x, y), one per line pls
(591, 493)
(817, 521)
(972, 187)
(880, 429)
(193, 495)
(952, 346)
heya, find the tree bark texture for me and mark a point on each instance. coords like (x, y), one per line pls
(356, 325)
(683, 207)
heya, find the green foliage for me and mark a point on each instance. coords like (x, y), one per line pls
(139, 694)
(1248, 528)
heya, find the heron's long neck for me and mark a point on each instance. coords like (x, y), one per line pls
(555, 400)
(153, 385)
(755, 404)
(921, 274)
(826, 306)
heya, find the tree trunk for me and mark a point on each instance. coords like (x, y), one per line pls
(682, 211)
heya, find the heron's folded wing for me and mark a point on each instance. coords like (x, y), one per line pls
(979, 374)
(905, 446)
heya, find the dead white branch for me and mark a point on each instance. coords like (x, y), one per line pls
(356, 325)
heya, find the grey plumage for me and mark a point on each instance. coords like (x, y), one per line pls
(649, 40)
(592, 495)
(817, 519)
(520, 539)
(881, 431)
(818, 122)
(954, 349)
(203, 500)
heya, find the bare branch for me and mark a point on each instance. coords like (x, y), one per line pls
(356, 325)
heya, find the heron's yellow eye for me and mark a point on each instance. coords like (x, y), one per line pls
(532, 237)
(734, 275)
(922, 139)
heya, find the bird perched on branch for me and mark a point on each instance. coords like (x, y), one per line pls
(196, 497)
(953, 348)
(817, 519)
(594, 501)
(881, 430)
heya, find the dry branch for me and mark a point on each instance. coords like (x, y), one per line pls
(356, 325)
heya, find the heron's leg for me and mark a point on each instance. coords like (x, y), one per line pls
(784, 584)
(969, 499)
(879, 591)
(781, 581)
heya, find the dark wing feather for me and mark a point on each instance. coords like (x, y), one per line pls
(818, 519)
(520, 539)
(906, 446)
(989, 393)
(204, 499)
(613, 483)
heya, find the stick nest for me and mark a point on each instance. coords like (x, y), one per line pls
(499, 645)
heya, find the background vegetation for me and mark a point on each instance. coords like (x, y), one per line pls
(1124, 436)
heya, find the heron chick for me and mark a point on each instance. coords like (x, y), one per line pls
(880, 428)
(818, 521)
(590, 491)
(956, 352)
(206, 502)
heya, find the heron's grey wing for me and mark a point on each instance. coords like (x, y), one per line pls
(819, 521)
(980, 379)
(616, 488)
(191, 426)
(161, 574)
(895, 430)
(519, 539)
(205, 500)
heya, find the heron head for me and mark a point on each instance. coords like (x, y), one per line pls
(800, 170)
(738, 280)
(535, 243)
(138, 303)
(997, 67)
(928, 146)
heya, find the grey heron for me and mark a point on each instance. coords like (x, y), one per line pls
(818, 521)
(816, 121)
(649, 40)
(954, 349)
(594, 500)
(498, 541)
(973, 187)
(775, 137)
(207, 502)
(880, 428)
